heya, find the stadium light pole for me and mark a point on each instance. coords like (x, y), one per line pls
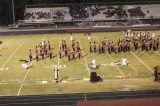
(13, 12)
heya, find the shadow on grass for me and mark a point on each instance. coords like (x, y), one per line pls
(23, 60)
(64, 78)
(84, 55)
(1, 42)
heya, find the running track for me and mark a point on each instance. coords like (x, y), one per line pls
(80, 98)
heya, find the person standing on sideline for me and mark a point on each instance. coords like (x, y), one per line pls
(155, 73)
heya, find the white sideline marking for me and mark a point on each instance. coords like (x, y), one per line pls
(113, 61)
(24, 80)
(84, 58)
(40, 80)
(75, 37)
(12, 54)
(142, 61)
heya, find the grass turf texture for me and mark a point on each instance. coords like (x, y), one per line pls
(14, 80)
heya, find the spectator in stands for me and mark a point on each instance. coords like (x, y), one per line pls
(36, 15)
(118, 12)
(59, 15)
(136, 12)
(78, 12)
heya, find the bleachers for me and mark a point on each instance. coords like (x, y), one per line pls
(145, 11)
(108, 12)
(151, 10)
(95, 12)
(88, 12)
(61, 14)
(79, 12)
(37, 14)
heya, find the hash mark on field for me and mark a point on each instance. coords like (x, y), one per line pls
(24, 80)
(141, 61)
(84, 58)
(12, 54)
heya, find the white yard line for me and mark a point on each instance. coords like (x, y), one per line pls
(141, 61)
(58, 49)
(130, 65)
(84, 58)
(24, 78)
(113, 61)
(58, 59)
(85, 98)
(12, 54)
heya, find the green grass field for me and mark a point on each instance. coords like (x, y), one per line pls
(14, 80)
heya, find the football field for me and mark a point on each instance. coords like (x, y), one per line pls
(14, 80)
